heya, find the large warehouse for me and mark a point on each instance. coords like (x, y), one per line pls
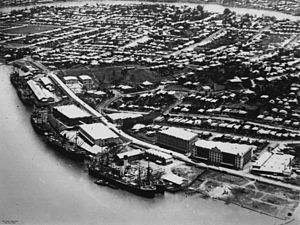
(177, 138)
(223, 154)
(97, 134)
(71, 114)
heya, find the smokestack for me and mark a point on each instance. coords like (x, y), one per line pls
(125, 162)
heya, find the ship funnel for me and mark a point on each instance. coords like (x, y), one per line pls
(125, 161)
(125, 164)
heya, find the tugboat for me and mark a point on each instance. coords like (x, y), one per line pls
(116, 176)
(63, 146)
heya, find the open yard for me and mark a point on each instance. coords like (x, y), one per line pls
(257, 196)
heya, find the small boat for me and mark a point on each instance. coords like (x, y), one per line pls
(100, 182)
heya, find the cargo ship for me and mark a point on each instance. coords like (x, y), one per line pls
(39, 121)
(116, 176)
(23, 91)
(63, 146)
(15, 79)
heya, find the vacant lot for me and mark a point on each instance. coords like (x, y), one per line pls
(28, 29)
(222, 177)
(116, 75)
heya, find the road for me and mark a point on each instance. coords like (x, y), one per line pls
(201, 43)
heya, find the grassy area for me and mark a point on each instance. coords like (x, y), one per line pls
(115, 75)
(28, 29)
(278, 191)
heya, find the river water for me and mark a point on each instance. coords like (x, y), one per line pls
(209, 7)
(39, 186)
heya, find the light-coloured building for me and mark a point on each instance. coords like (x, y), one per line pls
(86, 81)
(98, 134)
(223, 154)
(71, 114)
(42, 95)
(274, 164)
(70, 80)
(178, 139)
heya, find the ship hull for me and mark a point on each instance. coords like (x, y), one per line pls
(39, 128)
(147, 193)
(58, 146)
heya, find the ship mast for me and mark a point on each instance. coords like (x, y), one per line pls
(139, 177)
(148, 171)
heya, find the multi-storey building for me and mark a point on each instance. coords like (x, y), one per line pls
(223, 154)
(177, 138)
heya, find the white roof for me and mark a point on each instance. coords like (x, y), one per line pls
(130, 153)
(277, 163)
(117, 116)
(179, 133)
(70, 78)
(159, 154)
(39, 92)
(85, 77)
(98, 131)
(262, 159)
(72, 111)
(231, 148)
(173, 178)
(46, 81)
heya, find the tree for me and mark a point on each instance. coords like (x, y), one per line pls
(226, 11)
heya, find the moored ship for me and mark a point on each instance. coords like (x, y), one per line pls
(117, 177)
(39, 121)
(63, 146)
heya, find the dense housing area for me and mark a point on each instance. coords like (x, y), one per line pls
(210, 99)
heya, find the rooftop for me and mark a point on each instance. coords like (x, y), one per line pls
(72, 111)
(85, 77)
(231, 148)
(159, 154)
(277, 163)
(117, 116)
(262, 159)
(130, 153)
(98, 131)
(179, 133)
(70, 78)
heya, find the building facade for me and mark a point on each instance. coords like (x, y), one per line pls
(177, 138)
(223, 154)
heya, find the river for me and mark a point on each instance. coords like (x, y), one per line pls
(209, 7)
(39, 186)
